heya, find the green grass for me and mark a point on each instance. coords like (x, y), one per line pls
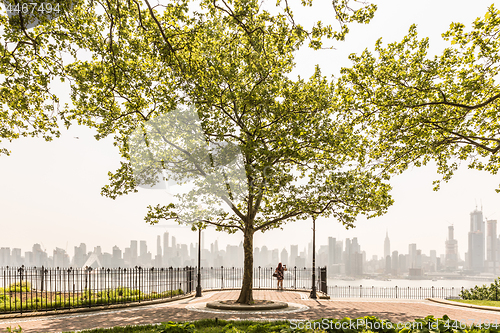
(205, 326)
(478, 302)
(438, 325)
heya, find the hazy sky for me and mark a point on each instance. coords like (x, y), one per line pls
(50, 192)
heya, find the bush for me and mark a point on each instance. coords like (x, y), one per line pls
(484, 293)
(172, 327)
(19, 286)
(3, 296)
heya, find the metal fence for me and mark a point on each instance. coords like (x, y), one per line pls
(232, 278)
(28, 289)
(393, 292)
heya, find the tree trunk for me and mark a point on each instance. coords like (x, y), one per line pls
(246, 296)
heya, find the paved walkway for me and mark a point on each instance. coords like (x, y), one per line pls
(394, 310)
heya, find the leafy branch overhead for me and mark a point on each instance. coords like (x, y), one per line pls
(419, 108)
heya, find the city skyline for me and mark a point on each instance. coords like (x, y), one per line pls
(342, 256)
(50, 191)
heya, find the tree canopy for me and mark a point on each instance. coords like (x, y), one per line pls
(418, 108)
(229, 62)
(30, 61)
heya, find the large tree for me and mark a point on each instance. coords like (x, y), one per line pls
(419, 108)
(230, 62)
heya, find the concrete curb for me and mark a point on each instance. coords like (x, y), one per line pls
(96, 308)
(464, 305)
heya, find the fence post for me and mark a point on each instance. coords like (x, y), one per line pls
(396, 291)
(432, 290)
(90, 286)
(139, 273)
(295, 277)
(20, 286)
(221, 277)
(360, 291)
(259, 277)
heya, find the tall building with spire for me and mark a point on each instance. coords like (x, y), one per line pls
(387, 245)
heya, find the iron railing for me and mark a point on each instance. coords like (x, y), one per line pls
(393, 292)
(232, 278)
(28, 289)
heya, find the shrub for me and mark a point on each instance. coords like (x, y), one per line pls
(490, 293)
(172, 327)
(19, 286)
(3, 296)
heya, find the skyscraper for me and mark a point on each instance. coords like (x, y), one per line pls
(491, 245)
(451, 244)
(412, 255)
(165, 249)
(133, 253)
(395, 263)
(294, 253)
(332, 242)
(158, 246)
(284, 256)
(387, 245)
(476, 241)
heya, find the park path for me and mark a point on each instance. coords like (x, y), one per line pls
(397, 311)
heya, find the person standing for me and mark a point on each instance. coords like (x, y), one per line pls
(280, 274)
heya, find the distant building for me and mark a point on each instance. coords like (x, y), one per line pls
(80, 256)
(5, 256)
(165, 249)
(476, 244)
(387, 246)
(133, 253)
(491, 246)
(284, 257)
(61, 258)
(116, 259)
(395, 263)
(294, 253)
(451, 246)
(412, 255)
(332, 242)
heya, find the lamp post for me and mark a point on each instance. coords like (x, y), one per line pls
(198, 287)
(313, 289)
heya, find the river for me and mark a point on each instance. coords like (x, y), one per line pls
(403, 283)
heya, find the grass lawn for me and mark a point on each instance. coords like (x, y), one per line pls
(477, 302)
(203, 326)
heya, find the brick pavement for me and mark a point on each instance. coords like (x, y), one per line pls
(391, 309)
